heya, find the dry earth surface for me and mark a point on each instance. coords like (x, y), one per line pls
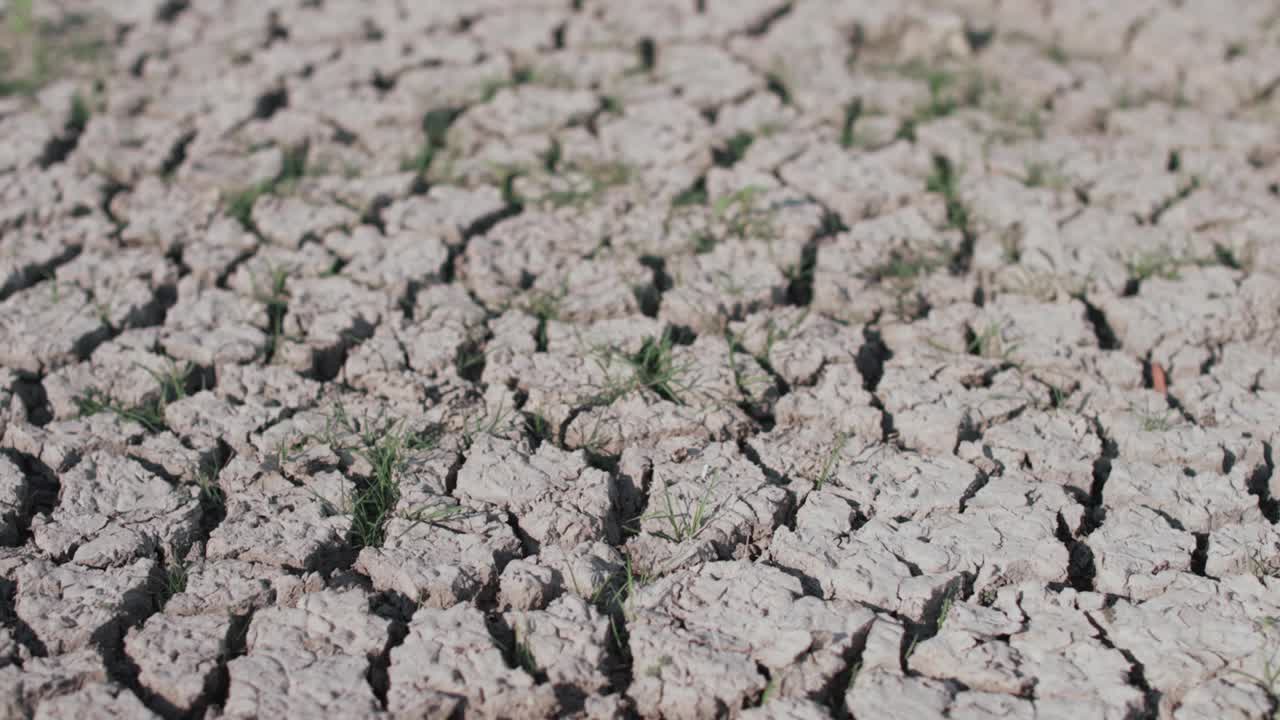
(664, 359)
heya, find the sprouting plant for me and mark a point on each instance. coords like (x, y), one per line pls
(904, 266)
(704, 242)
(21, 17)
(240, 204)
(435, 125)
(852, 111)
(696, 194)
(626, 590)
(943, 180)
(172, 385)
(545, 308)
(175, 580)
(653, 367)
(990, 342)
(274, 293)
(611, 104)
(947, 93)
(1041, 174)
(775, 333)
(770, 691)
(944, 610)
(829, 464)
(385, 445)
(911, 646)
(1057, 396)
(585, 183)
(78, 116)
(433, 513)
(596, 594)
(211, 493)
(524, 652)
(55, 288)
(489, 423)
(1152, 421)
(734, 149)
(741, 217)
(692, 515)
(385, 449)
(293, 166)
(1159, 262)
(648, 51)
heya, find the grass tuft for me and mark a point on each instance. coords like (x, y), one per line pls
(293, 166)
(385, 446)
(385, 449)
(653, 367)
(172, 385)
(275, 295)
(943, 181)
(829, 464)
(173, 582)
(688, 518)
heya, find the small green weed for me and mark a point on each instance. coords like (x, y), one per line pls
(905, 266)
(384, 449)
(943, 181)
(274, 293)
(1152, 421)
(690, 518)
(435, 126)
(524, 652)
(626, 590)
(944, 611)
(591, 182)
(770, 691)
(694, 195)
(611, 104)
(829, 464)
(519, 76)
(78, 116)
(1159, 262)
(174, 581)
(211, 494)
(735, 148)
(34, 52)
(852, 111)
(293, 166)
(385, 445)
(545, 306)
(172, 385)
(947, 93)
(990, 342)
(1043, 175)
(742, 217)
(21, 16)
(653, 367)
(490, 423)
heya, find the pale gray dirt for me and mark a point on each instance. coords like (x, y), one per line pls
(670, 359)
